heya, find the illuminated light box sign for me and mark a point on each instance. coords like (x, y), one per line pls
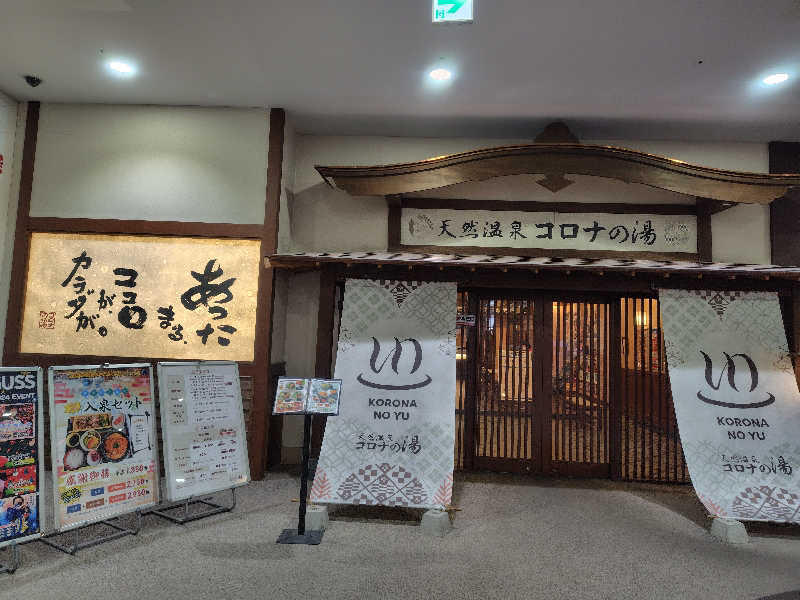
(161, 297)
(205, 445)
(102, 441)
(548, 230)
(21, 454)
(453, 11)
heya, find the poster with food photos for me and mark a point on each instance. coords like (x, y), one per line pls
(21, 454)
(324, 396)
(103, 442)
(203, 428)
(307, 396)
(290, 396)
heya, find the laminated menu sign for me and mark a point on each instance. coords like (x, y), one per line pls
(307, 396)
(202, 421)
(103, 442)
(21, 449)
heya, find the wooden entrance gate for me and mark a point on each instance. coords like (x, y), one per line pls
(555, 384)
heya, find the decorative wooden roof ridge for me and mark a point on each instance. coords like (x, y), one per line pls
(558, 159)
(305, 259)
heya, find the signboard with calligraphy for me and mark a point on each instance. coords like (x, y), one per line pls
(162, 297)
(21, 454)
(202, 421)
(736, 401)
(392, 443)
(103, 442)
(516, 230)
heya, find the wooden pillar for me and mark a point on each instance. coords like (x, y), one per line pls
(705, 208)
(262, 385)
(470, 385)
(19, 265)
(784, 213)
(543, 381)
(322, 368)
(614, 393)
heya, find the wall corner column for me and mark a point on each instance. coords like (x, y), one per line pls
(258, 445)
(21, 248)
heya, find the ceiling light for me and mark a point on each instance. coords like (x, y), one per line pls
(440, 74)
(119, 67)
(776, 78)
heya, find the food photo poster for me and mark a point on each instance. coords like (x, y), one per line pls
(103, 442)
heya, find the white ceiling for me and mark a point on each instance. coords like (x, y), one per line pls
(610, 68)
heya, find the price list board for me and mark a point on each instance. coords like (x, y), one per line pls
(103, 442)
(202, 422)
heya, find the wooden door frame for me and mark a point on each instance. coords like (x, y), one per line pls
(541, 448)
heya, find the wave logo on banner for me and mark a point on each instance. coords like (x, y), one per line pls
(392, 443)
(395, 355)
(730, 367)
(736, 401)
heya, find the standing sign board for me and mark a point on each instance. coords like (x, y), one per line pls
(736, 401)
(307, 397)
(103, 442)
(21, 454)
(205, 445)
(392, 444)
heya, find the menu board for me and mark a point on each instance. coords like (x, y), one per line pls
(103, 442)
(307, 396)
(21, 454)
(202, 422)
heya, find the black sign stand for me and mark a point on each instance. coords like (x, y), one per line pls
(300, 535)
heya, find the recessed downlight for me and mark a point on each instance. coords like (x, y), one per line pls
(121, 68)
(440, 74)
(775, 78)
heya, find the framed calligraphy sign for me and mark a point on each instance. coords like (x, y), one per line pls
(539, 229)
(141, 296)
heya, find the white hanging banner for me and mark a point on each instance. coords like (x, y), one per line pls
(736, 401)
(392, 443)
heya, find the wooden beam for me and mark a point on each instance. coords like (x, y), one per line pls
(262, 384)
(19, 265)
(136, 227)
(324, 358)
(704, 235)
(615, 208)
(600, 161)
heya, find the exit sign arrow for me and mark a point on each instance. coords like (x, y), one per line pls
(456, 5)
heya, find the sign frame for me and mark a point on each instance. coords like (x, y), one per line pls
(40, 495)
(453, 21)
(54, 449)
(162, 368)
(401, 210)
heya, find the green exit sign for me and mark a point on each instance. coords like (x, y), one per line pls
(453, 11)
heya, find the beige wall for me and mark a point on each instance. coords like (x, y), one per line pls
(149, 162)
(12, 127)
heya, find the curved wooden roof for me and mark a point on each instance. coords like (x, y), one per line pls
(558, 159)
